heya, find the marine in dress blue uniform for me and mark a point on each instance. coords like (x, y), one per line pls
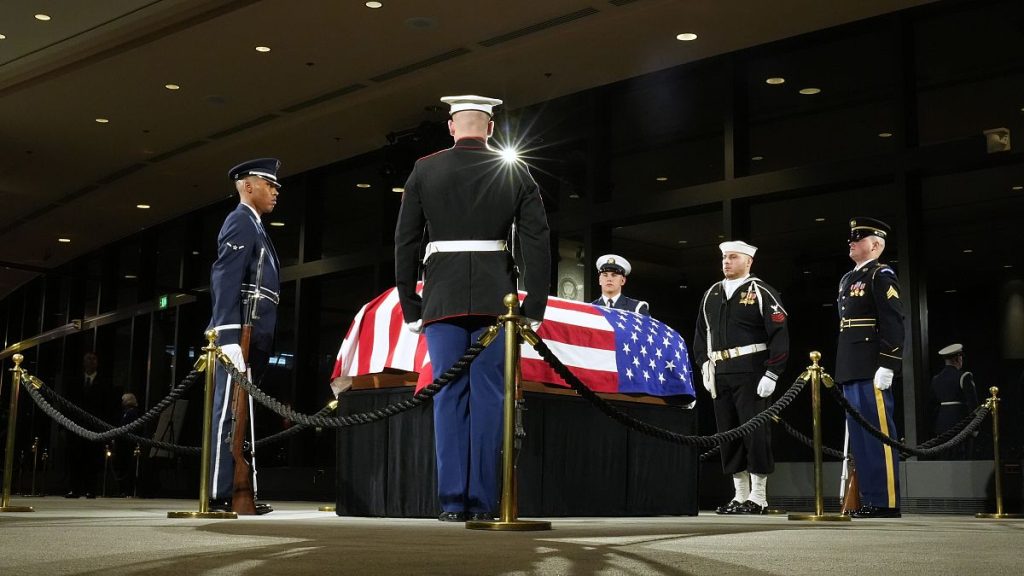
(612, 271)
(742, 345)
(956, 396)
(869, 354)
(471, 206)
(241, 242)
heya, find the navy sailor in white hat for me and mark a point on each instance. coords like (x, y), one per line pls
(471, 206)
(612, 271)
(742, 344)
(956, 396)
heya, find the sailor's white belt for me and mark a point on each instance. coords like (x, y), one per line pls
(464, 246)
(719, 355)
(249, 290)
(953, 403)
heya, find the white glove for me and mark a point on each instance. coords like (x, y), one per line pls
(704, 372)
(415, 327)
(766, 386)
(883, 378)
(234, 352)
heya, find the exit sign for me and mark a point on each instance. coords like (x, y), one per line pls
(162, 302)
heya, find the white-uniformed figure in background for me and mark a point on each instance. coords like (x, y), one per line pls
(612, 271)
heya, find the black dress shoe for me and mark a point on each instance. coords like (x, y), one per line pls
(730, 508)
(90, 496)
(219, 505)
(876, 512)
(72, 494)
(750, 507)
(452, 517)
(262, 508)
(477, 516)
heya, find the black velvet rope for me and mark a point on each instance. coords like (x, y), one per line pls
(702, 441)
(927, 449)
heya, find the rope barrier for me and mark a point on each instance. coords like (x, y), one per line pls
(807, 441)
(979, 415)
(650, 430)
(284, 411)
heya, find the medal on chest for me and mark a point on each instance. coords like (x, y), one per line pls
(749, 297)
(857, 289)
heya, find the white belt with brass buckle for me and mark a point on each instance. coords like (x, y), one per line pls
(719, 355)
(464, 246)
(954, 403)
(856, 323)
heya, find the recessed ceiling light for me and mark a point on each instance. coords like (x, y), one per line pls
(1018, 187)
(574, 196)
(43, 17)
(721, 236)
(885, 134)
(362, 185)
(263, 48)
(374, 4)
(277, 224)
(195, 252)
(130, 276)
(686, 36)
(810, 91)
(142, 206)
(172, 86)
(2, 37)
(683, 241)
(102, 121)
(807, 271)
(968, 251)
(775, 80)
(757, 158)
(64, 240)
(819, 219)
(952, 291)
(398, 189)
(1007, 265)
(662, 178)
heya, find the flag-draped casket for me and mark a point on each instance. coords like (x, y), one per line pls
(610, 350)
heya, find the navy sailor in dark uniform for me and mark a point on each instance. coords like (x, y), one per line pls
(742, 344)
(471, 205)
(956, 396)
(869, 354)
(612, 271)
(241, 245)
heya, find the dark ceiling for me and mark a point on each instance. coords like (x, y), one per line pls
(338, 78)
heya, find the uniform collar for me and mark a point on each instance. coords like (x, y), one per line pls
(471, 143)
(251, 209)
(861, 266)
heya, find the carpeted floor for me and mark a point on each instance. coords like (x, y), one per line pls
(114, 537)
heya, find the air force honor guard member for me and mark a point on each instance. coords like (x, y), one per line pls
(611, 275)
(244, 252)
(742, 344)
(869, 353)
(469, 202)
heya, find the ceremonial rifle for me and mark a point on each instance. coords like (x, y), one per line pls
(242, 495)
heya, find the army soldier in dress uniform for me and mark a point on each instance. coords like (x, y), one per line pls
(244, 252)
(472, 206)
(742, 344)
(611, 275)
(956, 395)
(869, 354)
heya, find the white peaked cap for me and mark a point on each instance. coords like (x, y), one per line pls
(738, 246)
(471, 102)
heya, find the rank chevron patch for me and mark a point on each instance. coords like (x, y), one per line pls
(892, 293)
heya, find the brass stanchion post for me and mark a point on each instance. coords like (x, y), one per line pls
(12, 427)
(207, 362)
(333, 405)
(35, 465)
(137, 453)
(508, 519)
(993, 405)
(815, 372)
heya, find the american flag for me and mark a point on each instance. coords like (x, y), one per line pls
(610, 350)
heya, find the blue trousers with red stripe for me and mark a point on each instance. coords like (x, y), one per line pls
(467, 416)
(878, 465)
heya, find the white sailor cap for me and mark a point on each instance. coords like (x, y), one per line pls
(614, 263)
(471, 102)
(952, 350)
(738, 246)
